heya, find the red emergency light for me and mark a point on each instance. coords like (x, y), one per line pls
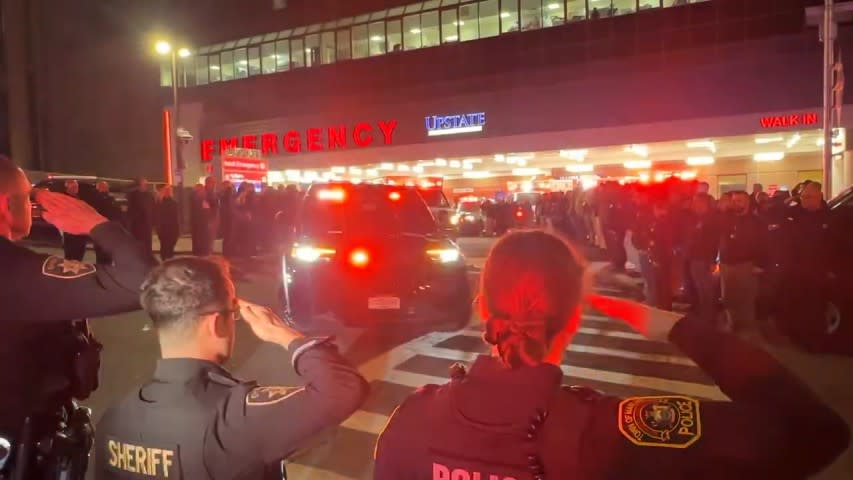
(359, 258)
(394, 196)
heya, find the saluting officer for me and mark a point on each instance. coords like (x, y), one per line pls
(808, 260)
(510, 418)
(194, 420)
(47, 359)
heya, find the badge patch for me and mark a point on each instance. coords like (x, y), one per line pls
(671, 422)
(269, 395)
(66, 269)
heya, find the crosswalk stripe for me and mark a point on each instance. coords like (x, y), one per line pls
(606, 376)
(366, 422)
(305, 472)
(650, 357)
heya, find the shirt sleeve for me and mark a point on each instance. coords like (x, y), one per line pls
(44, 288)
(268, 423)
(772, 416)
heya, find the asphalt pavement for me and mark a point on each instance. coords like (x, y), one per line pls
(605, 354)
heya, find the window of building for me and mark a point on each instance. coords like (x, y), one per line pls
(241, 63)
(449, 26)
(429, 4)
(227, 71)
(676, 3)
(378, 15)
(430, 30)
(509, 16)
(647, 4)
(313, 28)
(813, 175)
(282, 55)
(343, 45)
(254, 60)
(412, 32)
(345, 22)
(215, 74)
(576, 10)
(166, 73)
(394, 33)
(268, 58)
(413, 7)
(553, 13)
(531, 14)
(622, 7)
(297, 53)
(468, 28)
(186, 72)
(489, 19)
(445, 3)
(327, 46)
(731, 183)
(376, 30)
(312, 50)
(201, 70)
(359, 41)
(396, 11)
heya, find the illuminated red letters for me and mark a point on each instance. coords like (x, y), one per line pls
(358, 138)
(792, 120)
(336, 138)
(388, 130)
(227, 144)
(292, 142)
(269, 143)
(250, 141)
(314, 144)
(207, 147)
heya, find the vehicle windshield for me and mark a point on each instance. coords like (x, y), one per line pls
(365, 210)
(845, 198)
(470, 207)
(434, 198)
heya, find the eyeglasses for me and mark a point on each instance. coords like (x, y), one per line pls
(234, 311)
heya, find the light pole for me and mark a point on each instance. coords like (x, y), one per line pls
(828, 82)
(163, 47)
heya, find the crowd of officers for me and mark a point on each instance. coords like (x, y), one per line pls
(742, 261)
(237, 214)
(193, 419)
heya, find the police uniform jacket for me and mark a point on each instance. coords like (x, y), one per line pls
(39, 296)
(703, 237)
(742, 240)
(809, 248)
(194, 421)
(500, 423)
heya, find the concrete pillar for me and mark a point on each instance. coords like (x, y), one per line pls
(16, 23)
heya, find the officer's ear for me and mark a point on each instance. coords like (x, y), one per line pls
(219, 325)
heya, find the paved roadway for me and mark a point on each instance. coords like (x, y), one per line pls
(605, 355)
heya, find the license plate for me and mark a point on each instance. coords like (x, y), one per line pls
(383, 303)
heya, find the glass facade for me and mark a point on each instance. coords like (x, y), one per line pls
(418, 25)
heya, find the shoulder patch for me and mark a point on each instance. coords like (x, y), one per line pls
(260, 396)
(66, 269)
(671, 422)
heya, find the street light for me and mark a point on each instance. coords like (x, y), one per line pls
(164, 47)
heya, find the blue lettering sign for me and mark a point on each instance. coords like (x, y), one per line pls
(453, 124)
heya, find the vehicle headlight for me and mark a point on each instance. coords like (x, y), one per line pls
(469, 218)
(444, 255)
(306, 253)
(454, 219)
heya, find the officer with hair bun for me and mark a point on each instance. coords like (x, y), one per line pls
(509, 417)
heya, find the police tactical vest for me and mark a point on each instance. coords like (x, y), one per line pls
(547, 447)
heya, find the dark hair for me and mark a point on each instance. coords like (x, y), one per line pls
(703, 197)
(530, 286)
(180, 290)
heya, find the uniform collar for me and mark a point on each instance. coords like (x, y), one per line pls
(183, 369)
(492, 394)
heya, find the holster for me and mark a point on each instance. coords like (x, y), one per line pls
(86, 363)
(60, 454)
